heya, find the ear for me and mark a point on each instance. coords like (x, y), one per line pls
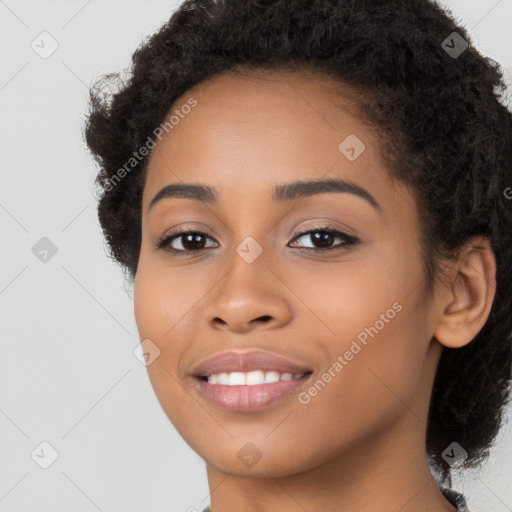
(467, 301)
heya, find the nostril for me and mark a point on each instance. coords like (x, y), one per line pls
(264, 318)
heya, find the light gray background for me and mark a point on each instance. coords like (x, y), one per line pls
(67, 372)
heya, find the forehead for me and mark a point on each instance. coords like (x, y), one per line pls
(248, 132)
(262, 102)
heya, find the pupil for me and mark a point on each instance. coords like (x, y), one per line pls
(323, 238)
(193, 243)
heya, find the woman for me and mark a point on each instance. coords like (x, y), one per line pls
(310, 199)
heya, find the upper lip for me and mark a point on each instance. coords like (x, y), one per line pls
(246, 361)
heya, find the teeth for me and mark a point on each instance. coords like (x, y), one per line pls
(250, 378)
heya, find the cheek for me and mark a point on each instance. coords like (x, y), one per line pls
(161, 304)
(374, 318)
(167, 302)
(359, 397)
(344, 299)
(164, 297)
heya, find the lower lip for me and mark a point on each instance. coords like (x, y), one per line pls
(250, 398)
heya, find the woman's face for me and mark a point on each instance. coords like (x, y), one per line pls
(357, 316)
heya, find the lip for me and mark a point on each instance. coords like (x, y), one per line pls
(246, 398)
(249, 398)
(246, 361)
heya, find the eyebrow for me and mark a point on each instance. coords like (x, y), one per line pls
(284, 192)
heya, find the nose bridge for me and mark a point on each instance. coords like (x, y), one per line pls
(249, 267)
(249, 289)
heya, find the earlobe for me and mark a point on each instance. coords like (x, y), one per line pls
(468, 301)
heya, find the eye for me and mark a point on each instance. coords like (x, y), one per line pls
(324, 236)
(193, 241)
(190, 241)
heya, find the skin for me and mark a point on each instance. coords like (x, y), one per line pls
(359, 444)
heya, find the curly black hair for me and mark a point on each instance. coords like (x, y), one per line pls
(437, 105)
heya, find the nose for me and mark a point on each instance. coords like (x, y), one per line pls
(250, 296)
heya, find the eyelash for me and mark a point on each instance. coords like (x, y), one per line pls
(349, 240)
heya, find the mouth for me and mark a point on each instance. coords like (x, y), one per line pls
(252, 378)
(250, 391)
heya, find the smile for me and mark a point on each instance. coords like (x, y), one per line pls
(250, 378)
(251, 391)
